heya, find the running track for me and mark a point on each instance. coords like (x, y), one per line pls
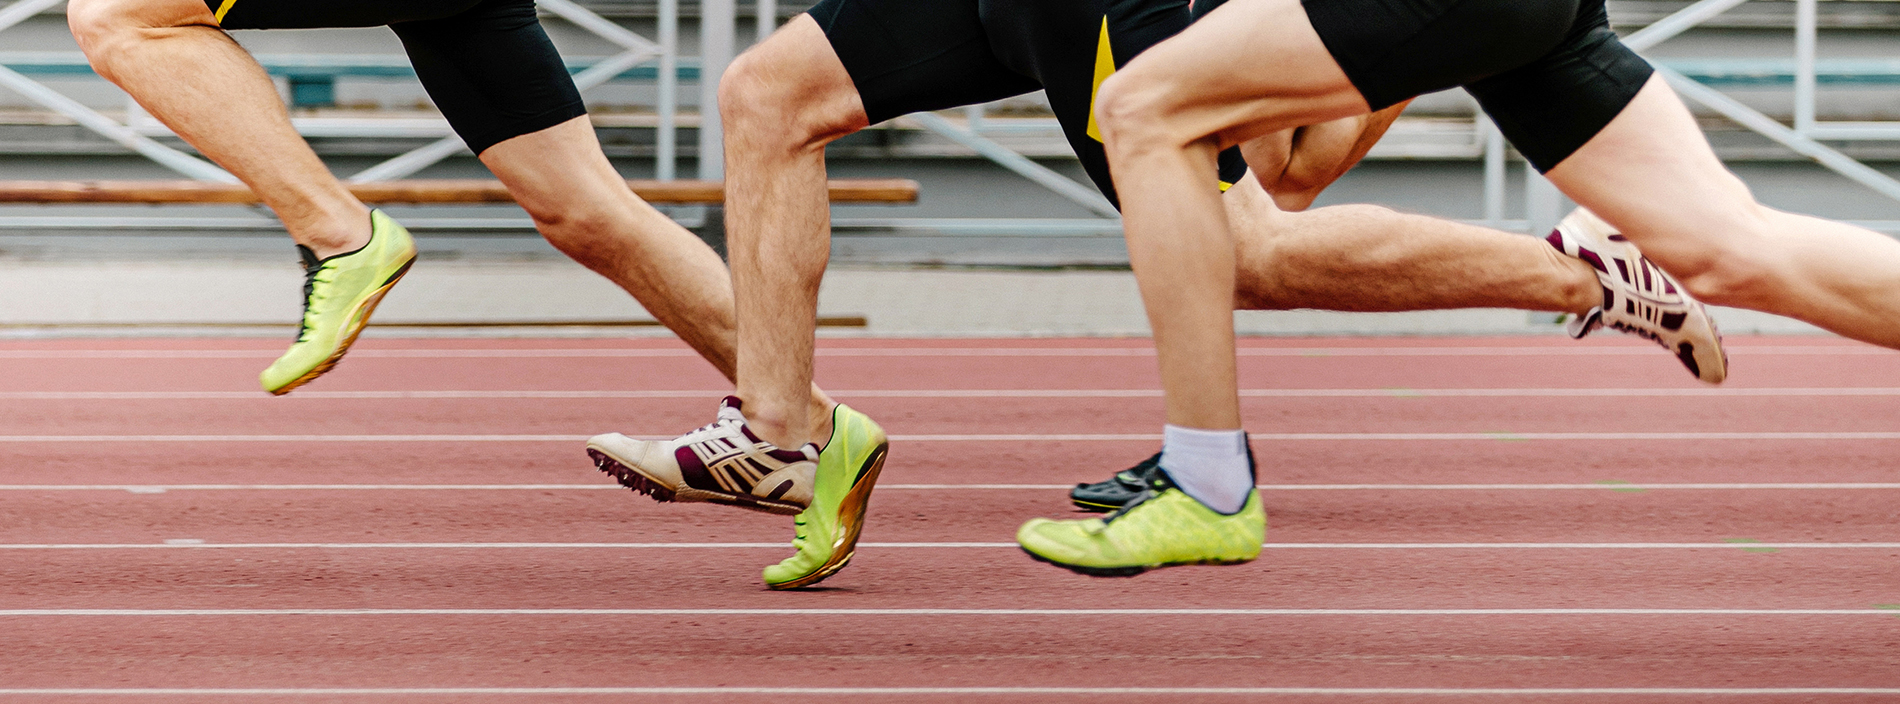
(1451, 519)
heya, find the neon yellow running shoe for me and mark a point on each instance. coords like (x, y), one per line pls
(1162, 528)
(827, 532)
(339, 293)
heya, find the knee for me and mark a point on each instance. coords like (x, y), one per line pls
(99, 26)
(1734, 266)
(766, 101)
(570, 222)
(1134, 114)
(105, 28)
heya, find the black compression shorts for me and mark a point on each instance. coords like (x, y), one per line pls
(487, 63)
(917, 55)
(1549, 72)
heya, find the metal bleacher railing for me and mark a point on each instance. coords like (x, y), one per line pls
(312, 79)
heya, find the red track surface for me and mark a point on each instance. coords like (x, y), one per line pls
(1438, 530)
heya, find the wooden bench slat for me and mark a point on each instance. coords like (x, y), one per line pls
(894, 190)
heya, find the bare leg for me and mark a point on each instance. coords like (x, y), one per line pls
(172, 57)
(1370, 259)
(1651, 173)
(582, 206)
(1160, 115)
(782, 101)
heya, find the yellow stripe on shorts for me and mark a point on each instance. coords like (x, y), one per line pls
(223, 8)
(1104, 67)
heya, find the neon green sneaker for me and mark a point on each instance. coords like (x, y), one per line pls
(1162, 528)
(827, 533)
(339, 293)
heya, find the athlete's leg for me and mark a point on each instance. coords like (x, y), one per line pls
(583, 207)
(1296, 165)
(1160, 117)
(823, 75)
(1652, 174)
(171, 56)
(781, 101)
(1371, 259)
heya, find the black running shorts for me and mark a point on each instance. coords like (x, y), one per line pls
(917, 55)
(487, 63)
(1550, 72)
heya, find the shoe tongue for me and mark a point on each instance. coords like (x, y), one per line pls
(729, 409)
(310, 260)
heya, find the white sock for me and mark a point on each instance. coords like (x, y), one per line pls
(1210, 465)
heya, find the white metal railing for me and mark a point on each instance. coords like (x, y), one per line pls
(1479, 139)
(636, 50)
(1801, 138)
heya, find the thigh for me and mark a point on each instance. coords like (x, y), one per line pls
(1651, 173)
(1250, 68)
(314, 14)
(908, 56)
(492, 71)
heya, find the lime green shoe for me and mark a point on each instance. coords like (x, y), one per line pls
(827, 533)
(339, 294)
(1162, 528)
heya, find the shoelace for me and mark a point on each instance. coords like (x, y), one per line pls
(798, 533)
(728, 416)
(312, 269)
(1157, 483)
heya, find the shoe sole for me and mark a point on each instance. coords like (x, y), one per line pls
(357, 322)
(633, 478)
(1092, 506)
(1128, 571)
(853, 506)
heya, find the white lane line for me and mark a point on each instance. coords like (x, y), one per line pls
(1053, 437)
(29, 613)
(1745, 545)
(552, 353)
(1608, 486)
(1786, 392)
(962, 691)
(970, 691)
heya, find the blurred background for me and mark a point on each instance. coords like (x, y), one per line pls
(998, 244)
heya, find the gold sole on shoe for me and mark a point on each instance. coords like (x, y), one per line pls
(853, 506)
(357, 322)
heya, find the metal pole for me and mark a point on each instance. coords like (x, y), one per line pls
(24, 10)
(1678, 23)
(109, 128)
(665, 140)
(1804, 31)
(768, 19)
(1086, 196)
(1541, 202)
(1767, 127)
(1493, 172)
(716, 18)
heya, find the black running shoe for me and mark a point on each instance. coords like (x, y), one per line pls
(1118, 490)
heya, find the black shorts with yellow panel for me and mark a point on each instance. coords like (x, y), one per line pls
(918, 55)
(487, 64)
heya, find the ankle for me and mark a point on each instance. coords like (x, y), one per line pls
(774, 429)
(1213, 466)
(340, 234)
(1581, 290)
(821, 427)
